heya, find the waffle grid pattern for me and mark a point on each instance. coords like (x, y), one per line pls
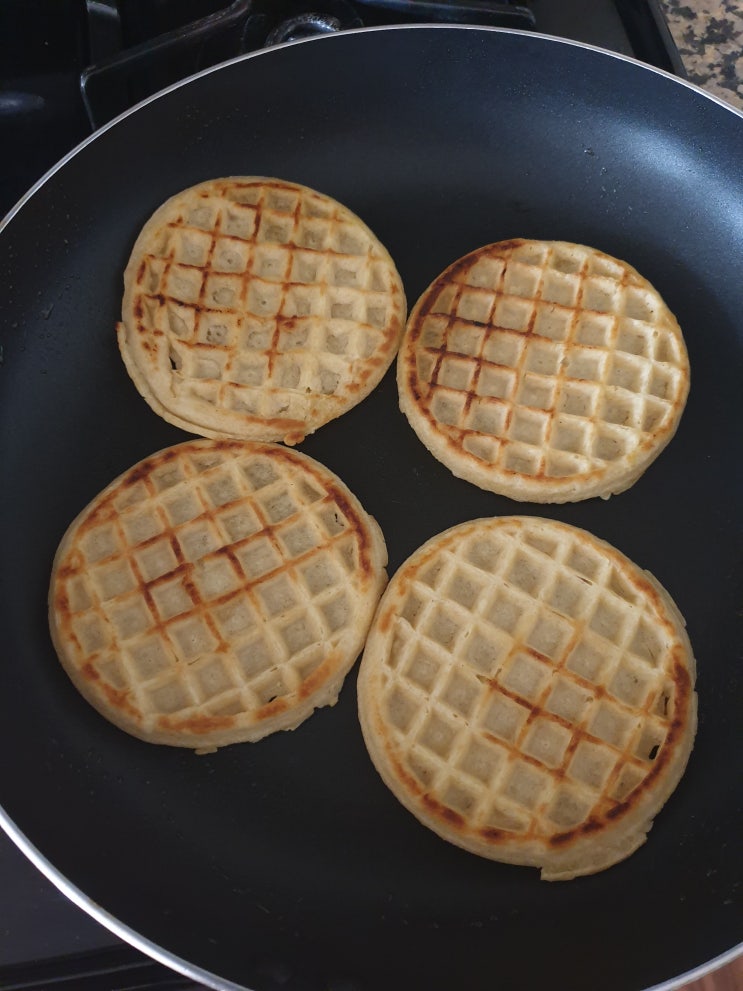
(216, 583)
(269, 299)
(527, 685)
(547, 360)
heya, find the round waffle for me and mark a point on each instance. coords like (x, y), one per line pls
(258, 309)
(216, 592)
(528, 694)
(543, 370)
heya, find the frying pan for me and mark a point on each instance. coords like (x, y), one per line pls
(287, 863)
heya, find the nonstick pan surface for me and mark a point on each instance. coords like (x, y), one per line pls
(287, 863)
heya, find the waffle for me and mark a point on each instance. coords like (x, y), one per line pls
(528, 694)
(257, 309)
(216, 592)
(543, 371)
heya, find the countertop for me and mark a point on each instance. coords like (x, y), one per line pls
(709, 38)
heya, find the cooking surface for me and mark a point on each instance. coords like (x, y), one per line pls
(43, 924)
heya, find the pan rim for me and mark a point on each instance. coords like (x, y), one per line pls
(106, 918)
(55, 876)
(193, 972)
(318, 39)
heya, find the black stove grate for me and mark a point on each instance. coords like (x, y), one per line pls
(69, 67)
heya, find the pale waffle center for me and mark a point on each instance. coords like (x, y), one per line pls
(268, 299)
(547, 360)
(214, 585)
(526, 683)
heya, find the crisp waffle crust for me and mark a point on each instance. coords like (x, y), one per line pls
(543, 370)
(216, 592)
(527, 692)
(258, 309)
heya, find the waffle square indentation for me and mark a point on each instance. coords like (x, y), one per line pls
(560, 287)
(438, 736)
(320, 574)
(150, 658)
(423, 669)
(442, 628)
(170, 698)
(647, 644)
(485, 652)
(611, 725)
(336, 612)
(482, 760)
(591, 765)
(527, 785)
(277, 595)
(131, 618)
(300, 634)
(553, 322)
(549, 636)
(236, 616)
(505, 613)
(476, 305)
(547, 741)
(525, 676)
(461, 694)
(456, 373)
(141, 526)
(400, 709)
(270, 687)
(258, 557)
(92, 633)
(255, 657)
(543, 357)
(608, 620)
(504, 718)
(171, 598)
(183, 284)
(464, 339)
(568, 808)
(193, 637)
(487, 417)
(270, 262)
(212, 678)
(240, 523)
(230, 255)
(629, 684)
(114, 580)
(568, 700)
(525, 573)
(197, 540)
(464, 589)
(568, 596)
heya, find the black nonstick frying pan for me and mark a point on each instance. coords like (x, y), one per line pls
(287, 863)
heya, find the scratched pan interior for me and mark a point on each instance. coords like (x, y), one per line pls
(287, 863)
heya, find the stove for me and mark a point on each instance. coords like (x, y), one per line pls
(70, 66)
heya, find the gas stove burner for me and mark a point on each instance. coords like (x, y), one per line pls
(305, 19)
(302, 26)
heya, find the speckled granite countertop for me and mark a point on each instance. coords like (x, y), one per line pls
(709, 37)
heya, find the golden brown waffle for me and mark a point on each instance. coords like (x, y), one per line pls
(216, 592)
(543, 370)
(258, 309)
(528, 694)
